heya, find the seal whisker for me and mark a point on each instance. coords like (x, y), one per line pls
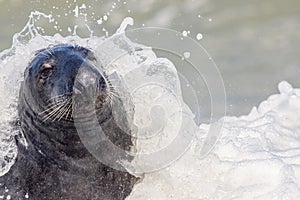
(109, 99)
(61, 111)
(114, 95)
(51, 107)
(53, 112)
(58, 114)
(68, 114)
(113, 91)
(49, 115)
(65, 109)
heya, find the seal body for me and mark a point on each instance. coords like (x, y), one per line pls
(52, 162)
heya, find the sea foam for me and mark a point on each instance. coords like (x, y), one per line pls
(256, 157)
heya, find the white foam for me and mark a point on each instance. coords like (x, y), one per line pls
(257, 157)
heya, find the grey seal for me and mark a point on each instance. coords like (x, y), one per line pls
(52, 162)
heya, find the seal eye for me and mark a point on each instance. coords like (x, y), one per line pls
(46, 71)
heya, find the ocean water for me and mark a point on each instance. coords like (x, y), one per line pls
(256, 151)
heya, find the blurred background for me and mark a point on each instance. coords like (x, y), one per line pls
(254, 43)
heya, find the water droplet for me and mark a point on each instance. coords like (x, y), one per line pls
(285, 88)
(199, 36)
(127, 21)
(83, 6)
(187, 54)
(184, 33)
(76, 11)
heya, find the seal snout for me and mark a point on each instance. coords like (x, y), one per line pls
(91, 83)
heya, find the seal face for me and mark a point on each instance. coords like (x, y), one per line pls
(54, 164)
(50, 80)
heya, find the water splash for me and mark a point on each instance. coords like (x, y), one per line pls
(135, 61)
(127, 21)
